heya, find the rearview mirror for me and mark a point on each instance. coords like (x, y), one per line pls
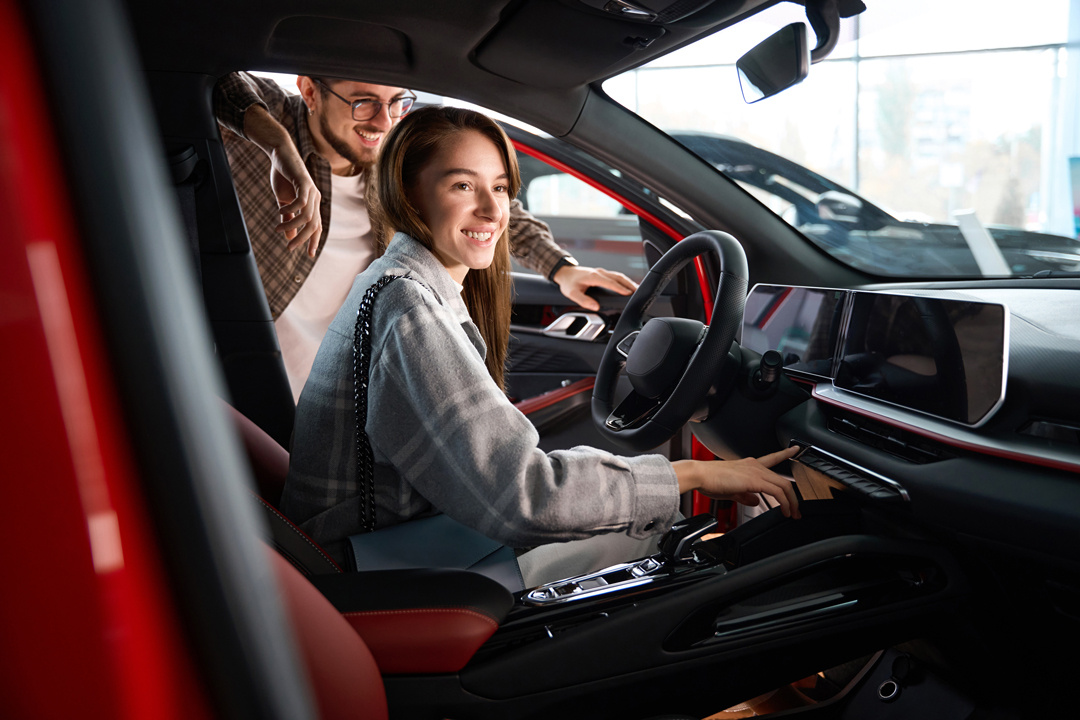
(775, 64)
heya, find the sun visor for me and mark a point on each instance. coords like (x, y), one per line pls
(334, 41)
(548, 44)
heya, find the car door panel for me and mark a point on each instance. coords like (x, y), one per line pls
(540, 362)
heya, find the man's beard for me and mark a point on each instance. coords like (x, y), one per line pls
(342, 148)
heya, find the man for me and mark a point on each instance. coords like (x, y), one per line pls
(300, 168)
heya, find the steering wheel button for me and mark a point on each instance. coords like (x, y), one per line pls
(626, 343)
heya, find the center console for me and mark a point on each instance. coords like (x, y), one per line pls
(774, 598)
(770, 574)
(677, 557)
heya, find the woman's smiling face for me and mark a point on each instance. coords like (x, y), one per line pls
(463, 197)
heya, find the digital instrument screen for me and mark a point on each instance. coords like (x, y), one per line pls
(803, 324)
(944, 357)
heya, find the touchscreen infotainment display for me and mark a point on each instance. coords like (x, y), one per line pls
(945, 357)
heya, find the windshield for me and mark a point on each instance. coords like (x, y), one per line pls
(937, 140)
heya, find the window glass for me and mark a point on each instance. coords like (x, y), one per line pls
(562, 194)
(595, 228)
(937, 140)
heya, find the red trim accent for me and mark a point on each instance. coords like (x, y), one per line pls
(725, 516)
(545, 400)
(706, 289)
(777, 302)
(345, 679)
(701, 503)
(423, 640)
(632, 207)
(87, 601)
(953, 442)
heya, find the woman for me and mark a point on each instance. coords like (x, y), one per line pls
(443, 435)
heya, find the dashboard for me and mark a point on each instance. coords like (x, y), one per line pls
(988, 370)
(953, 410)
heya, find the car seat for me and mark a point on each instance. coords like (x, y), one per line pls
(270, 466)
(343, 675)
(353, 628)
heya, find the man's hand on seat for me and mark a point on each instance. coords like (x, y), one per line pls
(574, 280)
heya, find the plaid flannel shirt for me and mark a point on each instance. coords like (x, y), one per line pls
(283, 272)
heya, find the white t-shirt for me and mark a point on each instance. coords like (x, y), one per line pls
(349, 249)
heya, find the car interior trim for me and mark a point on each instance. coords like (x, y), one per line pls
(579, 326)
(628, 204)
(553, 397)
(946, 433)
(809, 453)
(294, 544)
(419, 620)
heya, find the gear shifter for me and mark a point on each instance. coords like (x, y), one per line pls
(676, 547)
(677, 543)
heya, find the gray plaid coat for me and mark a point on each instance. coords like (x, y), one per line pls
(445, 437)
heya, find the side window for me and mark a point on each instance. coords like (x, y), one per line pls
(596, 229)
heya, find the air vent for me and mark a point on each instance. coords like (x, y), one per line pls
(1050, 430)
(895, 441)
(855, 478)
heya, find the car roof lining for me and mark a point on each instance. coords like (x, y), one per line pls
(533, 59)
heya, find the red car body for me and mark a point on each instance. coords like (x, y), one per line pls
(86, 626)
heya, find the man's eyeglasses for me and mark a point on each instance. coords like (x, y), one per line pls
(368, 108)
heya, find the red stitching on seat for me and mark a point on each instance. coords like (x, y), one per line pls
(305, 538)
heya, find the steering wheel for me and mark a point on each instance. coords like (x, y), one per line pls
(671, 362)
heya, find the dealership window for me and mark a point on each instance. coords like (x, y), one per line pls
(928, 110)
(587, 222)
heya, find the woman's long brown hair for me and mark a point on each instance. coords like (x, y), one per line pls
(408, 148)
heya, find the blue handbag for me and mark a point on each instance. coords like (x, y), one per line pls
(438, 541)
(433, 542)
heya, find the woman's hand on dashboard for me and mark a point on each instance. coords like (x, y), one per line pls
(741, 480)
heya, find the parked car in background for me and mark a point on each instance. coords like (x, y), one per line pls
(856, 231)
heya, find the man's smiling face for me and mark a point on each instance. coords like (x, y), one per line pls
(347, 141)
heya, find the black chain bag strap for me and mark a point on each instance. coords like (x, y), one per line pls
(365, 463)
(436, 541)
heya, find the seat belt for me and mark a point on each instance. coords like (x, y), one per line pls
(185, 164)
